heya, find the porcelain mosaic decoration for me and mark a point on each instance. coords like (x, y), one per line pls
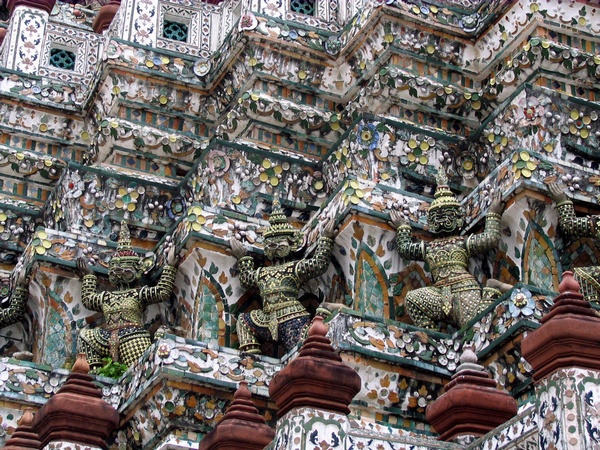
(321, 137)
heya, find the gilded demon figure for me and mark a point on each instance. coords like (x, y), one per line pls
(456, 296)
(123, 336)
(282, 319)
(577, 227)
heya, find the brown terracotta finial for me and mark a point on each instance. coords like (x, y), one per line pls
(317, 378)
(568, 336)
(317, 328)
(81, 365)
(27, 418)
(468, 356)
(242, 391)
(241, 427)
(569, 300)
(472, 404)
(24, 437)
(568, 283)
(76, 413)
(470, 372)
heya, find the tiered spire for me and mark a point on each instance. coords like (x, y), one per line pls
(241, 427)
(317, 378)
(472, 405)
(76, 413)
(24, 438)
(568, 336)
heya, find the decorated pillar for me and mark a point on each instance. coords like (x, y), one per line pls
(313, 393)
(25, 36)
(105, 16)
(472, 404)
(24, 437)
(565, 355)
(241, 427)
(76, 415)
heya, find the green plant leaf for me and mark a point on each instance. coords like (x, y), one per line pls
(111, 369)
